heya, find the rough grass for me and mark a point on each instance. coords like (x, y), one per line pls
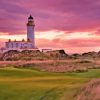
(28, 84)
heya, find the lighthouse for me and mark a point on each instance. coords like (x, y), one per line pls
(24, 45)
(30, 30)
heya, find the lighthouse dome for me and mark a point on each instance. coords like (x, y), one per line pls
(30, 17)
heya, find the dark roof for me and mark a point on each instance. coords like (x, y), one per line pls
(30, 17)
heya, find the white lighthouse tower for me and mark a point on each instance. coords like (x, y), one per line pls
(24, 45)
(30, 31)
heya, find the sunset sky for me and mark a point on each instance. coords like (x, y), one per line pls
(73, 25)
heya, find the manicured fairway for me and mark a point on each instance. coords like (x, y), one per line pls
(28, 84)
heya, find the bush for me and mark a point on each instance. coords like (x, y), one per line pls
(85, 61)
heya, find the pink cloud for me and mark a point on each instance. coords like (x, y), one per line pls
(69, 16)
(63, 15)
(74, 45)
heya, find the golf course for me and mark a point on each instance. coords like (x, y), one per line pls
(31, 84)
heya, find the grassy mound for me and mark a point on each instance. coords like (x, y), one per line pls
(90, 91)
(14, 55)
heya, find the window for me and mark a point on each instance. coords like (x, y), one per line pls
(12, 45)
(16, 45)
(7, 45)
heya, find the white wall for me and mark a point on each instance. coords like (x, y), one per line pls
(30, 34)
(19, 45)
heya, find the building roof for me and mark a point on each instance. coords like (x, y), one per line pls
(30, 17)
(18, 42)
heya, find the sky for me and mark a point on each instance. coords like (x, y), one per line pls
(72, 25)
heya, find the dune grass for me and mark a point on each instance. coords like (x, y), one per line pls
(28, 84)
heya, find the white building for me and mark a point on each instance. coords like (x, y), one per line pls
(29, 44)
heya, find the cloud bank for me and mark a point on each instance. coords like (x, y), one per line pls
(67, 16)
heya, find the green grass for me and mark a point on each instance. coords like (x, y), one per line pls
(28, 84)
